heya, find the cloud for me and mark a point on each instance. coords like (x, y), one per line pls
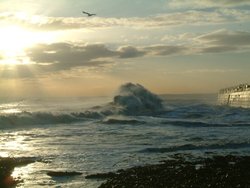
(42, 23)
(49, 58)
(206, 3)
(218, 49)
(130, 52)
(67, 55)
(220, 41)
(227, 38)
(61, 56)
(202, 71)
(161, 50)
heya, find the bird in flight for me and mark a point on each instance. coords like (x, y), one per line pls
(89, 14)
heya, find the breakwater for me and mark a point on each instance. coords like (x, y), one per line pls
(238, 96)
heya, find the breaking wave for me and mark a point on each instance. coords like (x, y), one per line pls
(122, 121)
(188, 123)
(134, 99)
(188, 147)
(43, 118)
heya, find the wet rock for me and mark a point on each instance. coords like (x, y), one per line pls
(62, 173)
(219, 171)
(101, 175)
(7, 165)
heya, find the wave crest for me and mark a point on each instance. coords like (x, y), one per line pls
(43, 118)
(134, 99)
(189, 147)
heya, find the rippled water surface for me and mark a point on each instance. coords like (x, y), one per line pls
(70, 135)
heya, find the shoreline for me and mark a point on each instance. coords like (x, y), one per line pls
(227, 171)
(7, 165)
(179, 170)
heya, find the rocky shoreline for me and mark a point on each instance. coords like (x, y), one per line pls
(7, 165)
(217, 171)
(229, 171)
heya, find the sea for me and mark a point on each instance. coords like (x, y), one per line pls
(104, 134)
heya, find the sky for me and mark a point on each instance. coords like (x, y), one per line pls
(50, 48)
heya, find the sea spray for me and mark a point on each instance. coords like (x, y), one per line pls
(71, 135)
(134, 99)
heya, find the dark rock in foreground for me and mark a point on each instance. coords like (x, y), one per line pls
(62, 173)
(101, 175)
(218, 171)
(7, 166)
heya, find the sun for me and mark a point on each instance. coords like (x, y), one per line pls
(14, 40)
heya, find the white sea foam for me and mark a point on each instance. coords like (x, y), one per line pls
(108, 137)
(134, 99)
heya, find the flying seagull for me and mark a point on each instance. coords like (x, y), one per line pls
(89, 14)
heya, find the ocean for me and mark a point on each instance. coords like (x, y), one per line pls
(103, 134)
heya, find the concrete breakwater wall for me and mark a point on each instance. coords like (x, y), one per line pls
(237, 99)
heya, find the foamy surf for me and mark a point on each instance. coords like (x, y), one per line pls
(132, 128)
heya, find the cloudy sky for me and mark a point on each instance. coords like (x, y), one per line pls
(49, 48)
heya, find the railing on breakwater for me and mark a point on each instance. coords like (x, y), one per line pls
(239, 88)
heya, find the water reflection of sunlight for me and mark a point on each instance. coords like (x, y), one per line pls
(4, 154)
(22, 172)
(10, 108)
(11, 111)
(14, 145)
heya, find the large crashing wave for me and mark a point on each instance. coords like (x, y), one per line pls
(134, 99)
